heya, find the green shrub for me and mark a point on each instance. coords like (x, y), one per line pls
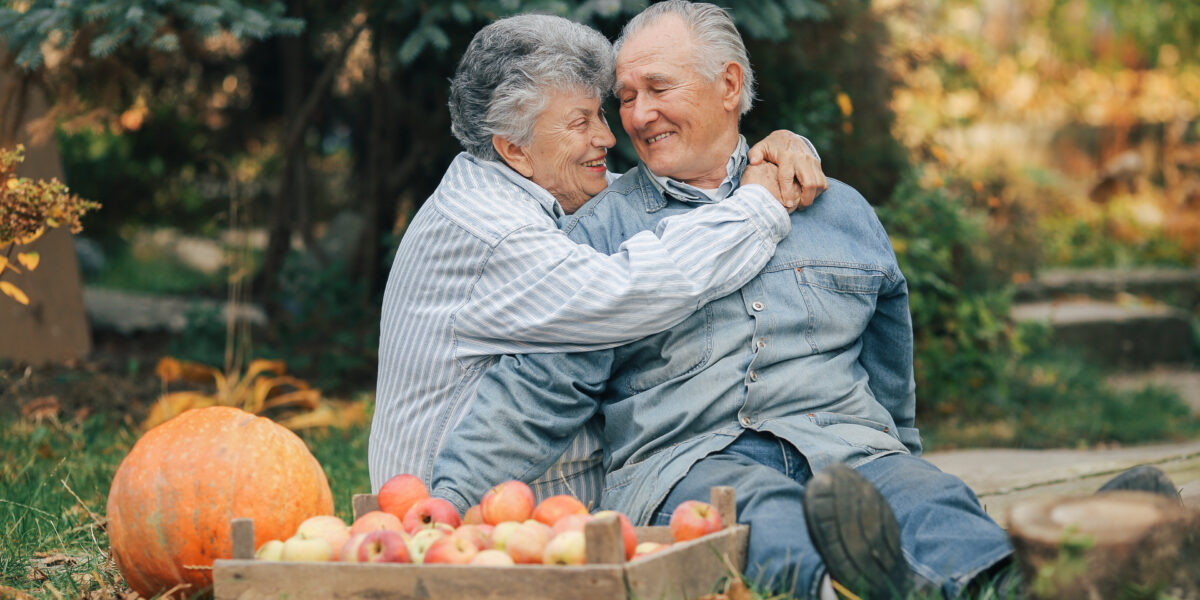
(983, 380)
(963, 336)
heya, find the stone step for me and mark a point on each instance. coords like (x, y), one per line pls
(1176, 287)
(1185, 382)
(1128, 335)
(1001, 477)
(129, 313)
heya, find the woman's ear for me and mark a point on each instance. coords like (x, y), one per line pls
(514, 155)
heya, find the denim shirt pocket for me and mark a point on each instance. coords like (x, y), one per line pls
(840, 302)
(677, 352)
(866, 434)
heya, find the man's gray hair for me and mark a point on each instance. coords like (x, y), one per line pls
(716, 37)
(503, 81)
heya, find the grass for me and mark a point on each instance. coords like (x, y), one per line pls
(54, 480)
(153, 272)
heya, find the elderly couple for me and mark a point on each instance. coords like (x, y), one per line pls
(635, 340)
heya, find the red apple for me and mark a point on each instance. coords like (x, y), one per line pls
(550, 510)
(492, 558)
(509, 501)
(400, 493)
(420, 542)
(692, 519)
(428, 512)
(527, 543)
(374, 521)
(645, 548)
(500, 533)
(473, 516)
(383, 545)
(349, 551)
(325, 527)
(451, 550)
(571, 523)
(628, 533)
(298, 549)
(567, 548)
(474, 534)
(270, 550)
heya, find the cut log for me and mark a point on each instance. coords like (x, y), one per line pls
(1112, 545)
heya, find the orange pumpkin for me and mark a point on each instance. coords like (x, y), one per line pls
(174, 495)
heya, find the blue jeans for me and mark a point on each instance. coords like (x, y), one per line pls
(946, 536)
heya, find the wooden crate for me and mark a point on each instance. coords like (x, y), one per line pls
(683, 571)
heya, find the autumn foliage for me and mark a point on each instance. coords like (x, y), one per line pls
(27, 208)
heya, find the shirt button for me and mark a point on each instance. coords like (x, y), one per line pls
(746, 421)
(753, 375)
(758, 306)
(762, 342)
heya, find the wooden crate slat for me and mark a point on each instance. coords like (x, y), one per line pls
(249, 579)
(688, 569)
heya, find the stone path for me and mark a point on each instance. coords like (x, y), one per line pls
(1002, 477)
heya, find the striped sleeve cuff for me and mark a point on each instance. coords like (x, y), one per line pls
(764, 211)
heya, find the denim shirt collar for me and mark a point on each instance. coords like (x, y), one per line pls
(545, 199)
(683, 192)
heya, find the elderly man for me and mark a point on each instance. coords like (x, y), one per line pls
(807, 369)
(483, 270)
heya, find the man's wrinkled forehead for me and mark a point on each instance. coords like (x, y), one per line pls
(651, 78)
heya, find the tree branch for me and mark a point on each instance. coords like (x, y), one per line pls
(318, 90)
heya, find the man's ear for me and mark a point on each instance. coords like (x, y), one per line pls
(731, 78)
(514, 155)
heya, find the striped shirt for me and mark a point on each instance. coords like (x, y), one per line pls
(483, 271)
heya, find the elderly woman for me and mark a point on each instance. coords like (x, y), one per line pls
(483, 270)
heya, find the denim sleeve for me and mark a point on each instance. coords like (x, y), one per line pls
(887, 356)
(527, 410)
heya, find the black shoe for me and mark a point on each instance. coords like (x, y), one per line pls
(1143, 478)
(856, 534)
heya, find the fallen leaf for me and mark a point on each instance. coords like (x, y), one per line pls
(174, 403)
(737, 589)
(13, 593)
(328, 414)
(42, 409)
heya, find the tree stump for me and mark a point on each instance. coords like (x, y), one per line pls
(1106, 546)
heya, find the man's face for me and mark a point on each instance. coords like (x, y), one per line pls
(682, 125)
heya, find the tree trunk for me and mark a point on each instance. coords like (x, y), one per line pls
(53, 327)
(1110, 545)
(289, 206)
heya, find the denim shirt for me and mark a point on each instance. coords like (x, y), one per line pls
(816, 349)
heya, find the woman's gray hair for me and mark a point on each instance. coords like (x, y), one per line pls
(503, 81)
(716, 37)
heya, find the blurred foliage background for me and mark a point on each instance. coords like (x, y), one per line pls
(996, 138)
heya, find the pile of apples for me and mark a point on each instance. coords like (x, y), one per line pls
(505, 528)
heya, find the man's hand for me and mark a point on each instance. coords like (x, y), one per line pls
(766, 175)
(800, 177)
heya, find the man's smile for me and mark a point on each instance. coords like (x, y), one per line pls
(659, 137)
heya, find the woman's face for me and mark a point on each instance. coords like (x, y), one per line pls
(570, 141)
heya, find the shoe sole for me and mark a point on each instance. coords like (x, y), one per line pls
(856, 533)
(1142, 478)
